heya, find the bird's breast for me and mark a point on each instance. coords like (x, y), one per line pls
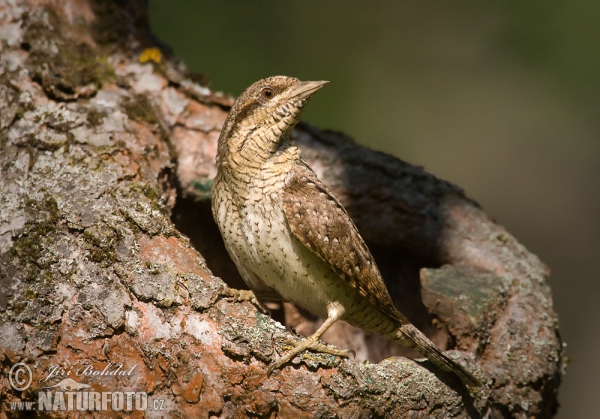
(258, 239)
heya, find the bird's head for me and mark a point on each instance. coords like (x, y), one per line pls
(262, 118)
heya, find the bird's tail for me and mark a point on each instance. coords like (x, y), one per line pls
(410, 336)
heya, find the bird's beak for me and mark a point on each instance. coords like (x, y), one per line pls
(306, 88)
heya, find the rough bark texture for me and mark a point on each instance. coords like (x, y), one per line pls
(106, 164)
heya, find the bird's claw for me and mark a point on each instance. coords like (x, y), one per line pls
(246, 295)
(282, 337)
(311, 344)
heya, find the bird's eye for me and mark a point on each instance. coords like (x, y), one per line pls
(267, 93)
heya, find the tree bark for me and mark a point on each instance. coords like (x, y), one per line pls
(108, 248)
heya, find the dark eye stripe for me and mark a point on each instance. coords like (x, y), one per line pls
(246, 110)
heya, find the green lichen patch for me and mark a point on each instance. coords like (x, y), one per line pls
(100, 242)
(9, 107)
(95, 117)
(30, 294)
(203, 188)
(153, 268)
(34, 258)
(140, 108)
(65, 68)
(45, 213)
(149, 192)
(35, 237)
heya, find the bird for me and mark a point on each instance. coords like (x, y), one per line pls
(289, 236)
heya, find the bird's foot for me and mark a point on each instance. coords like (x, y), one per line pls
(311, 343)
(245, 295)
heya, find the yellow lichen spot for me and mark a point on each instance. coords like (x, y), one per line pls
(150, 54)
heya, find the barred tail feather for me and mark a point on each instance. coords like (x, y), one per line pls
(410, 336)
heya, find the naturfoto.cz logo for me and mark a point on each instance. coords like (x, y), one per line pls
(70, 394)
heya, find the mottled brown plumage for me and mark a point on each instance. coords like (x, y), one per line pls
(322, 224)
(290, 238)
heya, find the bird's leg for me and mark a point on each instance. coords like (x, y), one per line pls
(311, 343)
(245, 295)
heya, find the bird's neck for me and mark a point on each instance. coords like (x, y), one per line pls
(254, 159)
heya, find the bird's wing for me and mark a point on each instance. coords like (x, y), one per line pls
(320, 222)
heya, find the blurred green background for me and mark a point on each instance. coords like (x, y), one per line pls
(501, 98)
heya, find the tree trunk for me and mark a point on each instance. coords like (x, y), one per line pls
(107, 149)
